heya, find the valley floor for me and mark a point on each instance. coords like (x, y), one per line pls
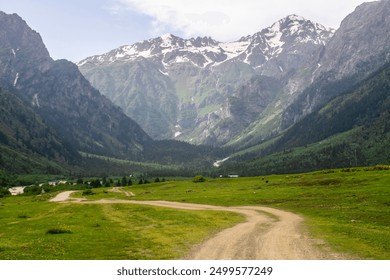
(267, 233)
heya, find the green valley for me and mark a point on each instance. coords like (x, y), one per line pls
(346, 208)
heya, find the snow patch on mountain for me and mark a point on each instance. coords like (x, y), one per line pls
(35, 101)
(16, 79)
(206, 52)
(234, 49)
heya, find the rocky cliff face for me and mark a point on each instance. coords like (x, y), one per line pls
(290, 43)
(188, 88)
(362, 40)
(62, 97)
(359, 47)
(23, 53)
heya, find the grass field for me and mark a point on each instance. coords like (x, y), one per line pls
(349, 209)
(32, 228)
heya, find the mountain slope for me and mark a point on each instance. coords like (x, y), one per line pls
(353, 129)
(186, 85)
(363, 38)
(359, 47)
(153, 102)
(62, 98)
(80, 114)
(27, 143)
(53, 115)
(359, 106)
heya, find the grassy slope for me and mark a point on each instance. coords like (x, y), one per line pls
(347, 208)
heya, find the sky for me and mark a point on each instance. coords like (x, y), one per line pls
(76, 29)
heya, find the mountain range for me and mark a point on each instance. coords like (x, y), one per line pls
(199, 83)
(295, 96)
(237, 93)
(51, 116)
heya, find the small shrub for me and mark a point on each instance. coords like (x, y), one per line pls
(351, 169)
(377, 167)
(23, 216)
(58, 231)
(88, 192)
(199, 179)
(328, 171)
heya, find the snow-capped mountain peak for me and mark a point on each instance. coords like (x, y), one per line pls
(207, 52)
(298, 29)
(283, 37)
(167, 37)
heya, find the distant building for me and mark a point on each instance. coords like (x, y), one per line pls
(16, 190)
(57, 182)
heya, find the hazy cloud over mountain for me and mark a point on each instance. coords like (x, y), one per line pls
(227, 20)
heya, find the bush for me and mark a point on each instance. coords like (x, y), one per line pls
(58, 231)
(23, 216)
(377, 167)
(32, 190)
(96, 184)
(198, 179)
(88, 192)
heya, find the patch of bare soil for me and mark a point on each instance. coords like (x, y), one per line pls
(120, 190)
(63, 196)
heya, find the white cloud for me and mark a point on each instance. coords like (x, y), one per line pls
(227, 20)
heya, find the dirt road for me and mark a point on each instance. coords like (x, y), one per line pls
(267, 234)
(61, 197)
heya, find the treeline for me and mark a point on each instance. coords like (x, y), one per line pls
(184, 154)
(81, 184)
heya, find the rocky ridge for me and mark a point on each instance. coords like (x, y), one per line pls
(196, 79)
(59, 94)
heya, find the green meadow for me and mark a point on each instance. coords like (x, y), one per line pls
(32, 228)
(349, 209)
